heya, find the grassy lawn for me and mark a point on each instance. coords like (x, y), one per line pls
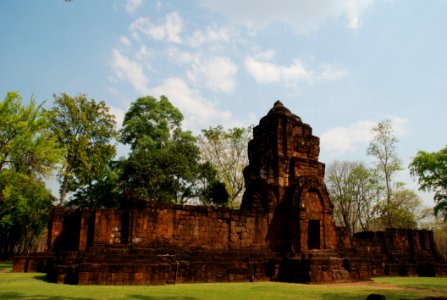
(34, 286)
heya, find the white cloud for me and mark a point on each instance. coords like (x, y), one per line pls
(344, 140)
(198, 111)
(132, 71)
(264, 71)
(331, 72)
(132, 5)
(354, 9)
(265, 55)
(341, 140)
(181, 57)
(174, 26)
(218, 73)
(119, 115)
(125, 41)
(169, 31)
(267, 72)
(145, 26)
(303, 15)
(399, 125)
(143, 52)
(209, 35)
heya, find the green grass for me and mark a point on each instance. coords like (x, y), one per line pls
(439, 283)
(5, 266)
(34, 286)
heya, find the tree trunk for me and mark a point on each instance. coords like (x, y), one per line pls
(63, 190)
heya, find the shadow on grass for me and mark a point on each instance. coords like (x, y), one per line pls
(41, 277)
(15, 295)
(390, 295)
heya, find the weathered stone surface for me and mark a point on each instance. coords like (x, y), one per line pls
(284, 230)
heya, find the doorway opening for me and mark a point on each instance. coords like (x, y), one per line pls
(313, 236)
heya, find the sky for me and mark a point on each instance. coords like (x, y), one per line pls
(341, 65)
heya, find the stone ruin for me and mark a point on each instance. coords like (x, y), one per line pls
(284, 230)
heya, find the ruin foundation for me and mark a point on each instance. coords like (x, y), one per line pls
(283, 231)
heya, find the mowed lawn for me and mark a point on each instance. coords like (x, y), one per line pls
(35, 286)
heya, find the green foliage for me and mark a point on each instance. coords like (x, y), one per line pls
(164, 163)
(226, 150)
(150, 123)
(215, 193)
(85, 129)
(354, 191)
(400, 212)
(104, 192)
(28, 151)
(24, 206)
(431, 170)
(26, 143)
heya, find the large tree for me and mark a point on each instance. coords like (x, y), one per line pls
(164, 162)
(86, 129)
(28, 153)
(382, 148)
(226, 150)
(151, 124)
(27, 144)
(354, 191)
(431, 170)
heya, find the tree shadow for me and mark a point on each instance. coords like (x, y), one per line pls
(389, 294)
(15, 295)
(41, 277)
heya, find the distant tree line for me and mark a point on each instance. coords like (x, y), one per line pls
(369, 198)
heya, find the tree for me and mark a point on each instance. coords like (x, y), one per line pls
(439, 228)
(150, 124)
(85, 129)
(227, 152)
(215, 193)
(26, 143)
(28, 153)
(431, 170)
(104, 192)
(354, 192)
(24, 206)
(383, 148)
(401, 212)
(164, 163)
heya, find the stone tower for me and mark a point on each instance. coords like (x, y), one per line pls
(285, 179)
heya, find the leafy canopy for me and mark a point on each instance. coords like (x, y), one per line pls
(164, 163)
(86, 130)
(28, 152)
(431, 170)
(27, 144)
(150, 124)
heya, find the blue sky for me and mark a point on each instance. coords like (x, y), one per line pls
(342, 66)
